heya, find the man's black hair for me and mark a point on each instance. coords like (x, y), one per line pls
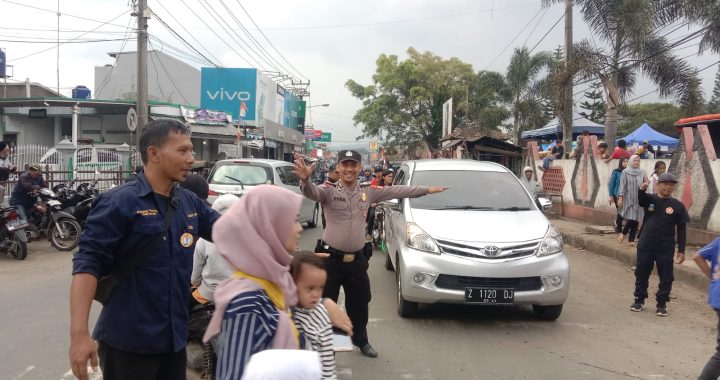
(603, 145)
(622, 143)
(3, 145)
(156, 132)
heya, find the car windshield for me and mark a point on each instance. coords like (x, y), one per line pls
(471, 190)
(236, 174)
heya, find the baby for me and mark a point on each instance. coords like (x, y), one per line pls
(310, 315)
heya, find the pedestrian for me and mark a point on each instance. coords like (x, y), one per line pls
(709, 254)
(22, 196)
(667, 218)
(142, 330)
(388, 176)
(366, 176)
(255, 236)
(345, 241)
(6, 167)
(630, 180)
(648, 149)
(620, 151)
(198, 185)
(377, 176)
(557, 152)
(614, 187)
(209, 268)
(310, 315)
(602, 150)
(660, 168)
(530, 184)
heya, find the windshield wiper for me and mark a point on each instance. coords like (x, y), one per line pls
(466, 207)
(514, 208)
(236, 180)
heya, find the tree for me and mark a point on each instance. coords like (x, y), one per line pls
(404, 103)
(660, 116)
(714, 104)
(524, 88)
(629, 44)
(595, 104)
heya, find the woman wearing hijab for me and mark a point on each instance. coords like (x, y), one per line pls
(630, 180)
(256, 236)
(614, 187)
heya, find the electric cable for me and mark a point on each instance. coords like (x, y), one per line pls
(188, 32)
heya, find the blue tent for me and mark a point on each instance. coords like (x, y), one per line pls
(553, 130)
(646, 133)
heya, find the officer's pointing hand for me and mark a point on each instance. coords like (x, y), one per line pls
(301, 169)
(436, 189)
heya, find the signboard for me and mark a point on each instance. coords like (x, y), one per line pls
(447, 118)
(309, 133)
(223, 89)
(37, 113)
(266, 103)
(374, 146)
(279, 104)
(324, 137)
(291, 110)
(132, 119)
(301, 114)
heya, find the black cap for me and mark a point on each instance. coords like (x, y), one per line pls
(667, 177)
(378, 169)
(349, 155)
(197, 184)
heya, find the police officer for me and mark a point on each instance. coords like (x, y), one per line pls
(142, 330)
(346, 208)
(333, 176)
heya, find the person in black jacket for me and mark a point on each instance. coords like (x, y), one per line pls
(665, 216)
(6, 167)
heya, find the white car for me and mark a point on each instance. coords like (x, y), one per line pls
(482, 241)
(237, 176)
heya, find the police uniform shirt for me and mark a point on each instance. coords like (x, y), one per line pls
(346, 209)
(147, 313)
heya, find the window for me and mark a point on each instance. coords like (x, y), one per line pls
(471, 189)
(287, 176)
(235, 174)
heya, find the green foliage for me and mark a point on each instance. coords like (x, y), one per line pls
(660, 116)
(404, 103)
(714, 104)
(595, 105)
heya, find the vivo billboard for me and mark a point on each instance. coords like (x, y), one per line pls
(222, 89)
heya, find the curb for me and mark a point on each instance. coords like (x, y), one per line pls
(598, 245)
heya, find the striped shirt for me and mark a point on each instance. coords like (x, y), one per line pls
(248, 326)
(314, 325)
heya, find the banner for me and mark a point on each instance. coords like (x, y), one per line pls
(291, 110)
(266, 105)
(374, 146)
(222, 89)
(447, 118)
(279, 104)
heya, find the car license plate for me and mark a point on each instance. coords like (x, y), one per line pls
(492, 296)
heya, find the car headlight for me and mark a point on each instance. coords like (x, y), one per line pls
(420, 240)
(552, 244)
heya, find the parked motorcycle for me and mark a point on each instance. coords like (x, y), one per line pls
(378, 232)
(46, 218)
(13, 238)
(77, 202)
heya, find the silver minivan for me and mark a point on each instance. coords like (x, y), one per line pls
(236, 176)
(483, 241)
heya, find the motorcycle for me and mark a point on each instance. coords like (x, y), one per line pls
(378, 232)
(47, 218)
(201, 356)
(13, 238)
(79, 201)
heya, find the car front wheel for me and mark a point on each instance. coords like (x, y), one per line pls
(547, 313)
(405, 309)
(312, 223)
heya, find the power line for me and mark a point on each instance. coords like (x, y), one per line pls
(191, 34)
(270, 42)
(513, 40)
(178, 36)
(548, 32)
(532, 31)
(178, 53)
(70, 41)
(166, 73)
(76, 37)
(106, 80)
(55, 12)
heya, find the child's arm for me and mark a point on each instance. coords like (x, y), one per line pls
(338, 316)
(702, 264)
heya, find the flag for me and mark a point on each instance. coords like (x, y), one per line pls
(243, 109)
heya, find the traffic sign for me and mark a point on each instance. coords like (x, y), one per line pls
(324, 137)
(132, 119)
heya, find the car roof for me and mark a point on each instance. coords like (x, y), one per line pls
(273, 163)
(456, 164)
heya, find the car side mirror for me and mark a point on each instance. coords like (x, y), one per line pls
(545, 203)
(392, 204)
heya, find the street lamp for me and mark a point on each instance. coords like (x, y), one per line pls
(320, 105)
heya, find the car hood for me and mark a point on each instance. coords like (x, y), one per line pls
(482, 226)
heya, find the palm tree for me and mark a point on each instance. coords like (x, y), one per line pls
(523, 88)
(630, 43)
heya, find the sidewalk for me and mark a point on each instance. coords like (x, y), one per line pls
(576, 233)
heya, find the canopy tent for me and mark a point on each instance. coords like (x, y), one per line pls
(653, 137)
(553, 130)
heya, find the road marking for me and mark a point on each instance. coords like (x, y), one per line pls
(346, 372)
(27, 369)
(91, 375)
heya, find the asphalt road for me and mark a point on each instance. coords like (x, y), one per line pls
(595, 338)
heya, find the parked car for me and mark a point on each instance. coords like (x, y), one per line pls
(237, 176)
(482, 241)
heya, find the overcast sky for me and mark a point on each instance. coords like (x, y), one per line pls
(327, 41)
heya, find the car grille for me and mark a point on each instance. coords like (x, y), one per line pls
(505, 252)
(446, 281)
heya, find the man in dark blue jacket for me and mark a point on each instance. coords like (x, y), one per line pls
(143, 327)
(28, 183)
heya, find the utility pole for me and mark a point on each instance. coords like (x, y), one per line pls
(58, 47)
(568, 98)
(142, 87)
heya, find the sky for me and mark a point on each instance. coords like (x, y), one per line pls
(324, 41)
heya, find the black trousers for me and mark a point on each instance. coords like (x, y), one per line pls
(618, 217)
(353, 278)
(121, 365)
(631, 227)
(645, 262)
(370, 220)
(712, 368)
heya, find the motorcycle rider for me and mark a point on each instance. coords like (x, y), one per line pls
(6, 167)
(29, 182)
